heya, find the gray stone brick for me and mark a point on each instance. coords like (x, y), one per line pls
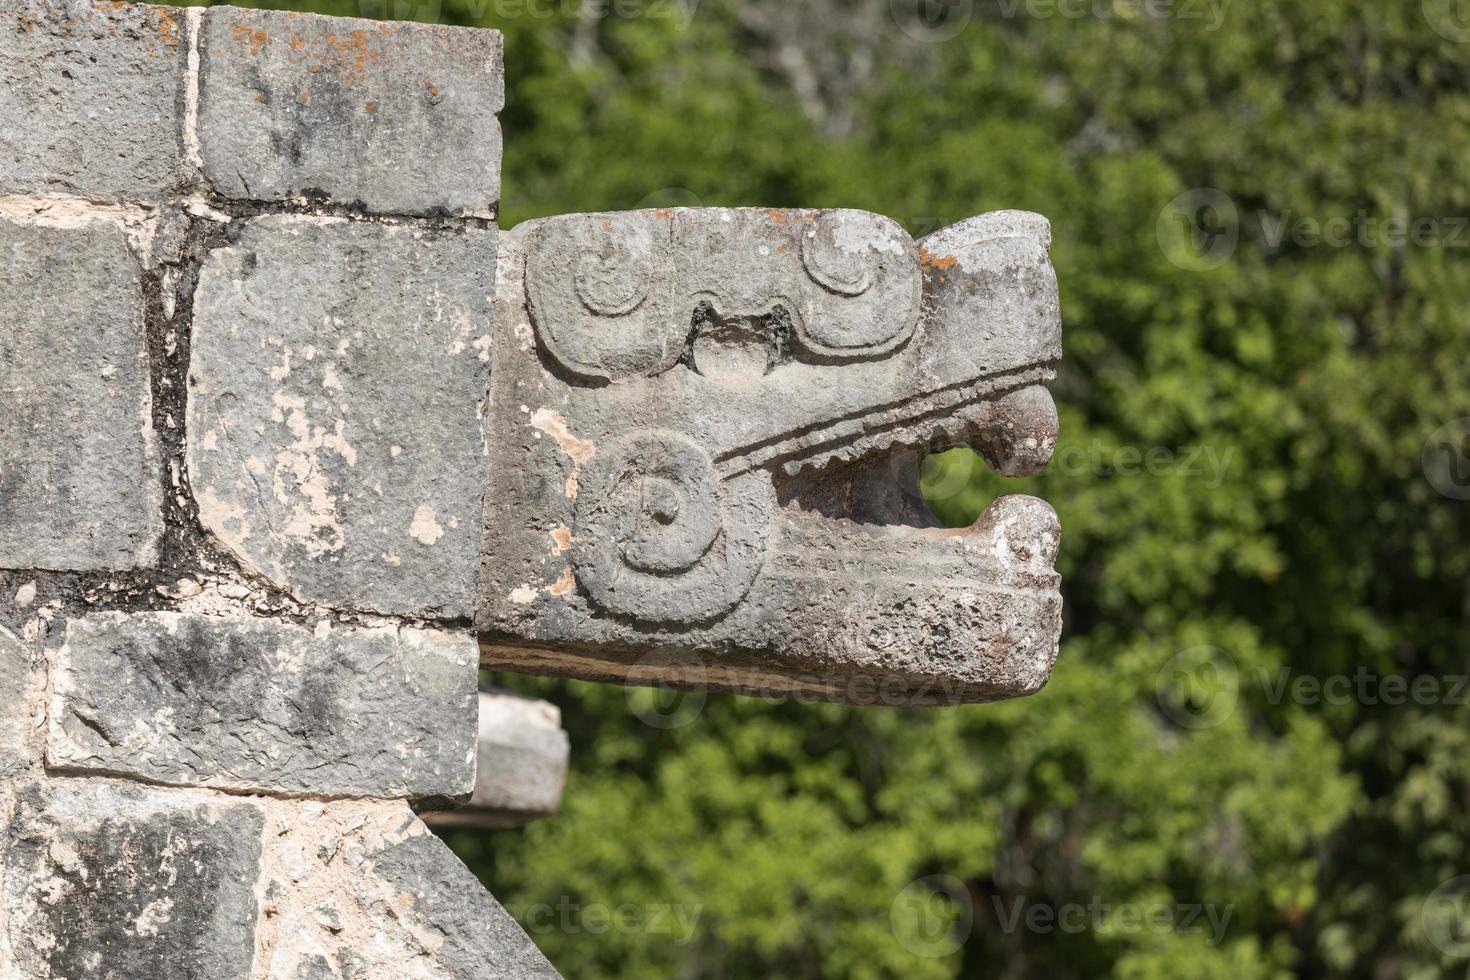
(335, 397)
(80, 487)
(103, 880)
(249, 704)
(15, 715)
(90, 96)
(396, 117)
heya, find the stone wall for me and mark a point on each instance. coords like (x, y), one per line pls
(246, 265)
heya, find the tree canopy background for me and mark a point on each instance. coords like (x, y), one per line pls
(1253, 433)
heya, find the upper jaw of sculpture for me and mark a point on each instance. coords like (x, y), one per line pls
(704, 431)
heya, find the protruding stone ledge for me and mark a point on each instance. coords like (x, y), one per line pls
(258, 705)
(397, 118)
(522, 771)
(107, 880)
(89, 95)
(336, 393)
(80, 480)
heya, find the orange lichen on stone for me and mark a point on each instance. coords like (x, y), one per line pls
(433, 89)
(352, 52)
(371, 107)
(935, 263)
(778, 215)
(256, 40)
(168, 26)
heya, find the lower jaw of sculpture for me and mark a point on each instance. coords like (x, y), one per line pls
(847, 613)
(863, 597)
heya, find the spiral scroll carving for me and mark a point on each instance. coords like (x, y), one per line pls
(660, 538)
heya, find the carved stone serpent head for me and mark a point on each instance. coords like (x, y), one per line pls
(705, 430)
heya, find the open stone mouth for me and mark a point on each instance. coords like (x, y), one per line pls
(871, 486)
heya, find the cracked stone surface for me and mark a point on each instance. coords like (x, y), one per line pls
(336, 394)
(246, 704)
(80, 484)
(396, 118)
(90, 96)
(106, 880)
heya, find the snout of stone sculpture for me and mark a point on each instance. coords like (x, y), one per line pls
(704, 435)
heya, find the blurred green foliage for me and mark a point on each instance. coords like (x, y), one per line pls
(1239, 482)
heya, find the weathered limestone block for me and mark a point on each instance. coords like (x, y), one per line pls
(358, 891)
(522, 770)
(15, 705)
(246, 704)
(390, 117)
(90, 96)
(705, 434)
(112, 881)
(80, 483)
(336, 395)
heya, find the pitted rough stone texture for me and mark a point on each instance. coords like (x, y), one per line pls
(522, 771)
(396, 117)
(335, 409)
(358, 891)
(90, 96)
(15, 706)
(480, 938)
(80, 486)
(105, 880)
(259, 705)
(705, 433)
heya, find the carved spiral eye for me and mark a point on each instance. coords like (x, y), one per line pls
(660, 538)
(592, 283)
(839, 256)
(613, 280)
(870, 279)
